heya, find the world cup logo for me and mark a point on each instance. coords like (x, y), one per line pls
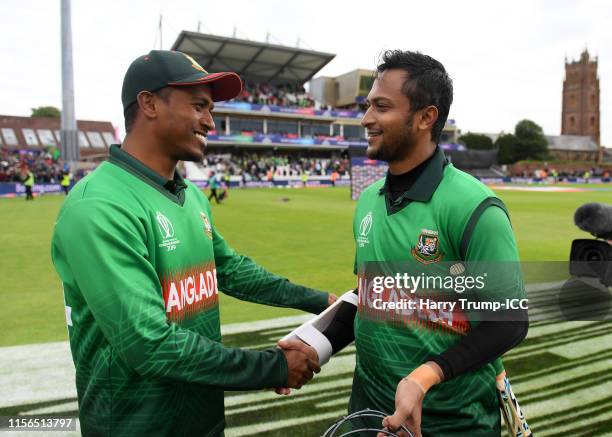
(165, 226)
(366, 225)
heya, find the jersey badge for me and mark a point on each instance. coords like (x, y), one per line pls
(427, 249)
(207, 226)
(364, 229)
(166, 230)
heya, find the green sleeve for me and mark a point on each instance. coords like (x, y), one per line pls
(493, 246)
(492, 238)
(241, 277)
(99, 248)
(498, 366)
(492, 251)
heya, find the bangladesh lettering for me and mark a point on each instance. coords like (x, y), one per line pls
(190, 292)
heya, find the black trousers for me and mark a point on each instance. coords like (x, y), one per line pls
(213, 194)
(29, 195)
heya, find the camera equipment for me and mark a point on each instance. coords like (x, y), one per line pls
(588, 257)
(595, 218)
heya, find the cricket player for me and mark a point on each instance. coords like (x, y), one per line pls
(142, 263)
(436, 370)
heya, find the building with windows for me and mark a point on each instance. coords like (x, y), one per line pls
(36, 133)
(348, 90)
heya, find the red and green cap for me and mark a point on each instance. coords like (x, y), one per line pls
(162, 68)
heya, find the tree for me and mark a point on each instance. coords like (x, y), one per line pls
(506, 146)
(531, 141)
(46, 111)
(528, 142)
(476, 141)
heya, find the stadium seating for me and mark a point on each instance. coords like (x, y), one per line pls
(46, 169)
(260, 167)
(285, 95)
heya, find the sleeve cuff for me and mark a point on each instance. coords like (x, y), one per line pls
(283, 369)
(446, 369)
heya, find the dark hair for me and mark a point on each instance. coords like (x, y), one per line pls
(132, 111)
(427, 83)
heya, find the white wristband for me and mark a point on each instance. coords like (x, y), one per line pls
(314, 338)
(311, 332)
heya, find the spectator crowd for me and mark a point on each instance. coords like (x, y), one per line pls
(251, 166)
(283, 95)
(258, 167)
(42, 164)
(551, 174)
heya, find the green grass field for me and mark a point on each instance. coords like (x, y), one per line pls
(303, 234)
(561, 373)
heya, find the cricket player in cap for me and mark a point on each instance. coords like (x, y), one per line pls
(142, 263)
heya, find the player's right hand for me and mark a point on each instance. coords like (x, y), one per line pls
(302, 362)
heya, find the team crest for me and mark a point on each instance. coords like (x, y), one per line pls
(195, 64)
(207, 226)
(427, 249)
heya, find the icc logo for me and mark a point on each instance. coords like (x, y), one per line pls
(165, 225)
(366, 225)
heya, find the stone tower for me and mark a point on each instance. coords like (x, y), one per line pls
(580, 115)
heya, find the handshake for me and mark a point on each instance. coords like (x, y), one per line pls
(309, 346)
(302, 364)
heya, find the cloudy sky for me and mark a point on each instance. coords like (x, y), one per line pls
(506, 57)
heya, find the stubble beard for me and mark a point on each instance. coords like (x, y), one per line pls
(396, 150)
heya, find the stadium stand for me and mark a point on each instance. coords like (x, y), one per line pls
(40, 162)
(285, 95)
(36, 133)
(32, 144)
(260, 167)
(44, 164)
(479, 163)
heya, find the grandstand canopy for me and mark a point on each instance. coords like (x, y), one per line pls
(253, 61)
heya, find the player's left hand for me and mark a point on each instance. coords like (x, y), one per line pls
(331, 299)
(408, 407)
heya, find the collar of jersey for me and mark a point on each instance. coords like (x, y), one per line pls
(174, 188)
(423, 188)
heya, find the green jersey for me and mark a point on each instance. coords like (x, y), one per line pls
(447, 215)
(141, 264)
